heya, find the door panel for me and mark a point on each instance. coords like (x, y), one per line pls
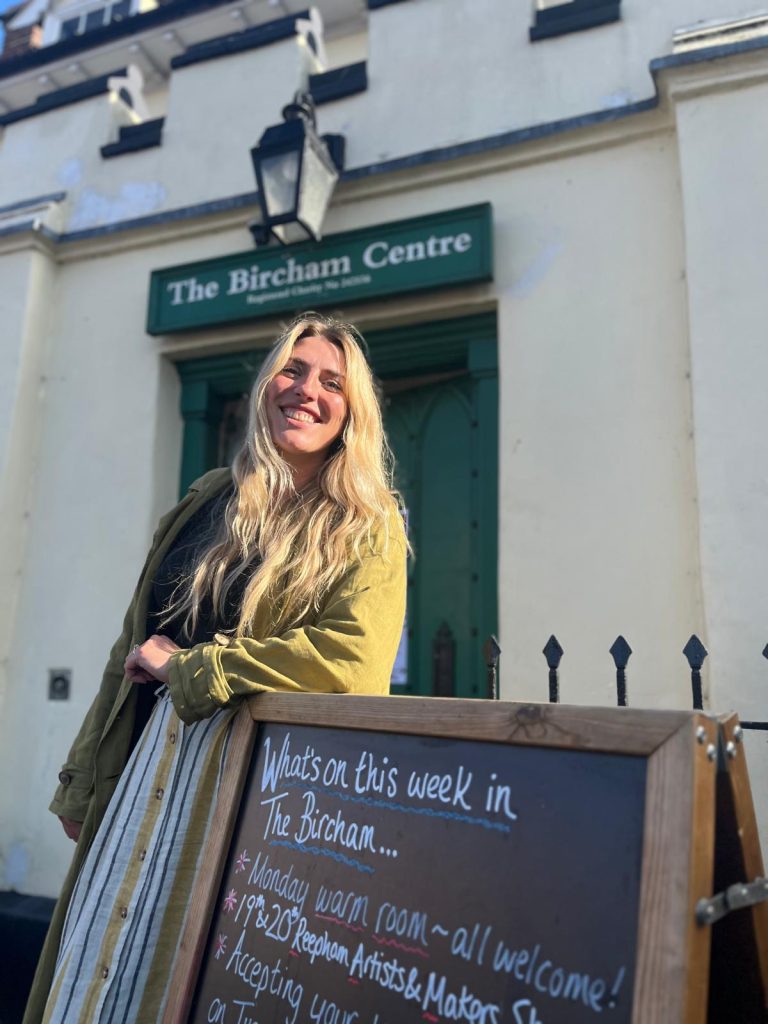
(430, 431)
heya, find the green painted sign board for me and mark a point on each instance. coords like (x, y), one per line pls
(444, 249)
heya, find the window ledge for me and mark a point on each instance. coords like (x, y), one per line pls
(336, 84)
(135, 137)
(375, 4)
(62, 97)
(574, 17)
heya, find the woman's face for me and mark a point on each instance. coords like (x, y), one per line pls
(306, 405)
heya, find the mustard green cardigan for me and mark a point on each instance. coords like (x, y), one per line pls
(348, 646)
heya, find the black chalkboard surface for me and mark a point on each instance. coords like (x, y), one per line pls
(413, 878)
(387, 860)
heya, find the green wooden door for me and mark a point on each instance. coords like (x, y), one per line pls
(441, 415)
(440, 474)
(430, 433)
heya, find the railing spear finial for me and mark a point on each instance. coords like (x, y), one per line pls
(553, 652)
(620, 651)
(695, 653)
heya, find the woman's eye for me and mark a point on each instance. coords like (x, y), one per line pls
(333, 385)
(290, 371)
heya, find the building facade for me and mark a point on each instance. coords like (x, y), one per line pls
(549, 227)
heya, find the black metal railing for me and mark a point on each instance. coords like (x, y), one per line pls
(694, 652)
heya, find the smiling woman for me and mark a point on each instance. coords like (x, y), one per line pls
(306, 405)
(285, 573)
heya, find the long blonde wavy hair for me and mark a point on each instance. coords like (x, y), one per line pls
(295, 546)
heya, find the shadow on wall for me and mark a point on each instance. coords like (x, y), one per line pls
(23, 924)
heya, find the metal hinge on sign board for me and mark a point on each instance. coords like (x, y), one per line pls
(743, 894)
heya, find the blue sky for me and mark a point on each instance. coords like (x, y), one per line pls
(4, 5)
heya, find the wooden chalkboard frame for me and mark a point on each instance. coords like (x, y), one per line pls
(738, 983)
(672, 969)
(747, 835)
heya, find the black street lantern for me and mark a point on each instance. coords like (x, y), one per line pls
(295, 176)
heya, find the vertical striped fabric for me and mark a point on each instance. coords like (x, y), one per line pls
(128, 906)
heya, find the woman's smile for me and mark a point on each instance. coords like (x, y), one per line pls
(299, 415)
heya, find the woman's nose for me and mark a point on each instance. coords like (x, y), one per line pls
(308, 386)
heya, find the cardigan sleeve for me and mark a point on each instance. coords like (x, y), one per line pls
(349, 648)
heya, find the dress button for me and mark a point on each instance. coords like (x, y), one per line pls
(142, 854)
(65, 778)
(171, 737)
(105, 972)
(123, 912)
(159, 794)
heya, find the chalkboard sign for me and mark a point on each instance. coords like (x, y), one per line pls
(385, 860)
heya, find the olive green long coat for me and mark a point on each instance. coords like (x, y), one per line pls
(349, 645)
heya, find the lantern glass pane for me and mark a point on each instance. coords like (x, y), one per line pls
(318, 178)
(280, 176)
(291, 232)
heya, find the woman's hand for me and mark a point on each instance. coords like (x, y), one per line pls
(72, 828)
(149, 661)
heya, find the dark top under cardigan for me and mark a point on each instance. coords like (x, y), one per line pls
(194, 537)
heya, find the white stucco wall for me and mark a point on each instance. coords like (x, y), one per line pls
(25, 307)
(108, 466)
(723, 149)
(212, 119)
(439, 74)
(344, 48)
(492, 79)
(598, 492)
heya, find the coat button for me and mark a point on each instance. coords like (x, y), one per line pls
(65, 778)
(159, 794)
(123, 912)
(171, 737)
(105, 972)
(142, 854)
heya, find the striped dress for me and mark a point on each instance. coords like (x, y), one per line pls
(128, 907)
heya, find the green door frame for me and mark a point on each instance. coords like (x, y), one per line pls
(465, 343)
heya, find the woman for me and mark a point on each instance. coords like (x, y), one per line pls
(287, 573)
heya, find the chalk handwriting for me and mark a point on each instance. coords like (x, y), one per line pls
(323, 1011)
(463, 1005)
(531, 1017)
(278, 822)
(498, 797)
(288, 764)
(470, 943)
(372, 776)
(346, 906)
(286, 884)
(327, 827)
(261, 977)
(407, 924)
(529, 967)
(445, 788)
